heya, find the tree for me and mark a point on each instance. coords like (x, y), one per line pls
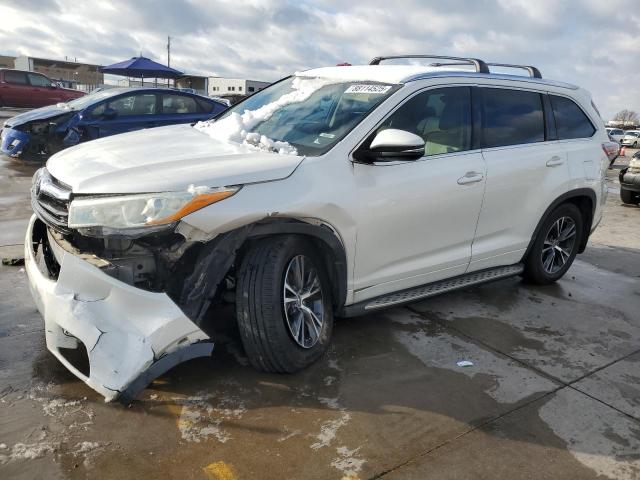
(624, 116)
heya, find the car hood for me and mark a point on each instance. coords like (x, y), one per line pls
(165, 159)
(43, 113)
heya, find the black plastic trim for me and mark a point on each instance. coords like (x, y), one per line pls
(359, 308)
(161, 366)
(577, 193)
(322, 233)
(550, 130)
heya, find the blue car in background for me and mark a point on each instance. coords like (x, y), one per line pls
(42, 132)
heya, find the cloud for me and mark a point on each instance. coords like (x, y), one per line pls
(594, 45)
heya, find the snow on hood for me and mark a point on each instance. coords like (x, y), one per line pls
(165, 159)
(237, 127)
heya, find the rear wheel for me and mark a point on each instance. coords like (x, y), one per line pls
(629, 197)
(283, 304)
(556, 245)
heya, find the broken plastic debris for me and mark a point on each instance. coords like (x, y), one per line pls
(465, 363)
(13, 261)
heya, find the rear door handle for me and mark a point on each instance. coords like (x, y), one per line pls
(470, 177)
(554, 161)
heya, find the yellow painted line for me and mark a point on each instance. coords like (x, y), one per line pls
(219, 471)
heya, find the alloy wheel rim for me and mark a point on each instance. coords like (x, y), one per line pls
(303, 301)
(558, 244)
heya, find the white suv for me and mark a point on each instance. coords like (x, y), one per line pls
(334, 192)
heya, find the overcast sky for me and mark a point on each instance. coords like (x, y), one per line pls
(593, 43)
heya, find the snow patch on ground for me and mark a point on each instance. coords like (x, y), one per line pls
(85, 447)
(203, 415)
(27, 451)
(328, 380)
(347, 462)
(57, 405)
(329, 429)
(237, 127)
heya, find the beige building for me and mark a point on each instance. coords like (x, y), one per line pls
(6, 61)
(238, 86)
(69, 72)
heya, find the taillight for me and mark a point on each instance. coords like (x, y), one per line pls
(611, 149)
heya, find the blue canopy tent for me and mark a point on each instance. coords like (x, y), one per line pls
(141, 67)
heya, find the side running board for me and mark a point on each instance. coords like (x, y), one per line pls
(432, 289)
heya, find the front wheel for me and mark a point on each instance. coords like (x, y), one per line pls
(555, 246)
(283, 304)
(635, 144)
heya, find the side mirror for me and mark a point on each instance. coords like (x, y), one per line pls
(393, 144)
(53, 85)
(109, 113)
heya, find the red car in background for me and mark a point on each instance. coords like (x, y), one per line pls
(31, 90)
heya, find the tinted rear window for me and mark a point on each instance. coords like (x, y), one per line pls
(571, 121)
(19, 78)
(511, 117)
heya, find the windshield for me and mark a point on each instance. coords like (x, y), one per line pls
(84, 102)
(299, 115)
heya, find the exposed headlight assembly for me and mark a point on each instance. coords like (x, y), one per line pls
(149, 209)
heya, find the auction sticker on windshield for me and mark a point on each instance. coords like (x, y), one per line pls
(368, 89)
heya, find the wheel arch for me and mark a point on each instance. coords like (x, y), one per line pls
(585, 199)
(195, 287)
(323, 237)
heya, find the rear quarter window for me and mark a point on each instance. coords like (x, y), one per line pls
(16, 78)
(511, 117)
(173, 104)
(571, 121)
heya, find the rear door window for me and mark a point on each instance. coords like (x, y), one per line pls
(16, 78)
(511, 117)
(178, 104)
(571, 121)
(442, 117)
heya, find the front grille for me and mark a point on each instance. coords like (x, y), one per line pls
(50, 200)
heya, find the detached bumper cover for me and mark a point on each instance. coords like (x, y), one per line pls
(13, 142)
(132, 336)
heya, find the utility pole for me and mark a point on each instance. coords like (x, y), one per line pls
(168, 51)
(168, 54)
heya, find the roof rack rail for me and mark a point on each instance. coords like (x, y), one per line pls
(480, 66)
(533, 71)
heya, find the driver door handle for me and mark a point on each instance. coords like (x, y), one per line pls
(554, 161)
(470, 177)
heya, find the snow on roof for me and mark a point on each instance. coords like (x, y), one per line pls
(374, 73)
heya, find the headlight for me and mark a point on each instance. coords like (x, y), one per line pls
(131, 211)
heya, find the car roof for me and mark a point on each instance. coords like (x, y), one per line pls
(400, 74)
(118, 90)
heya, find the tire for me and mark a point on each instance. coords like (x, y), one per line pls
(536, 266)
(629, 197)
(263, 320)
(635, 144)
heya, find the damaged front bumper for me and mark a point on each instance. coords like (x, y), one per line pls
(131, 335)
(13, 142)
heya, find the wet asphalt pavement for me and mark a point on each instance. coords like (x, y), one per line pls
(554, 390)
